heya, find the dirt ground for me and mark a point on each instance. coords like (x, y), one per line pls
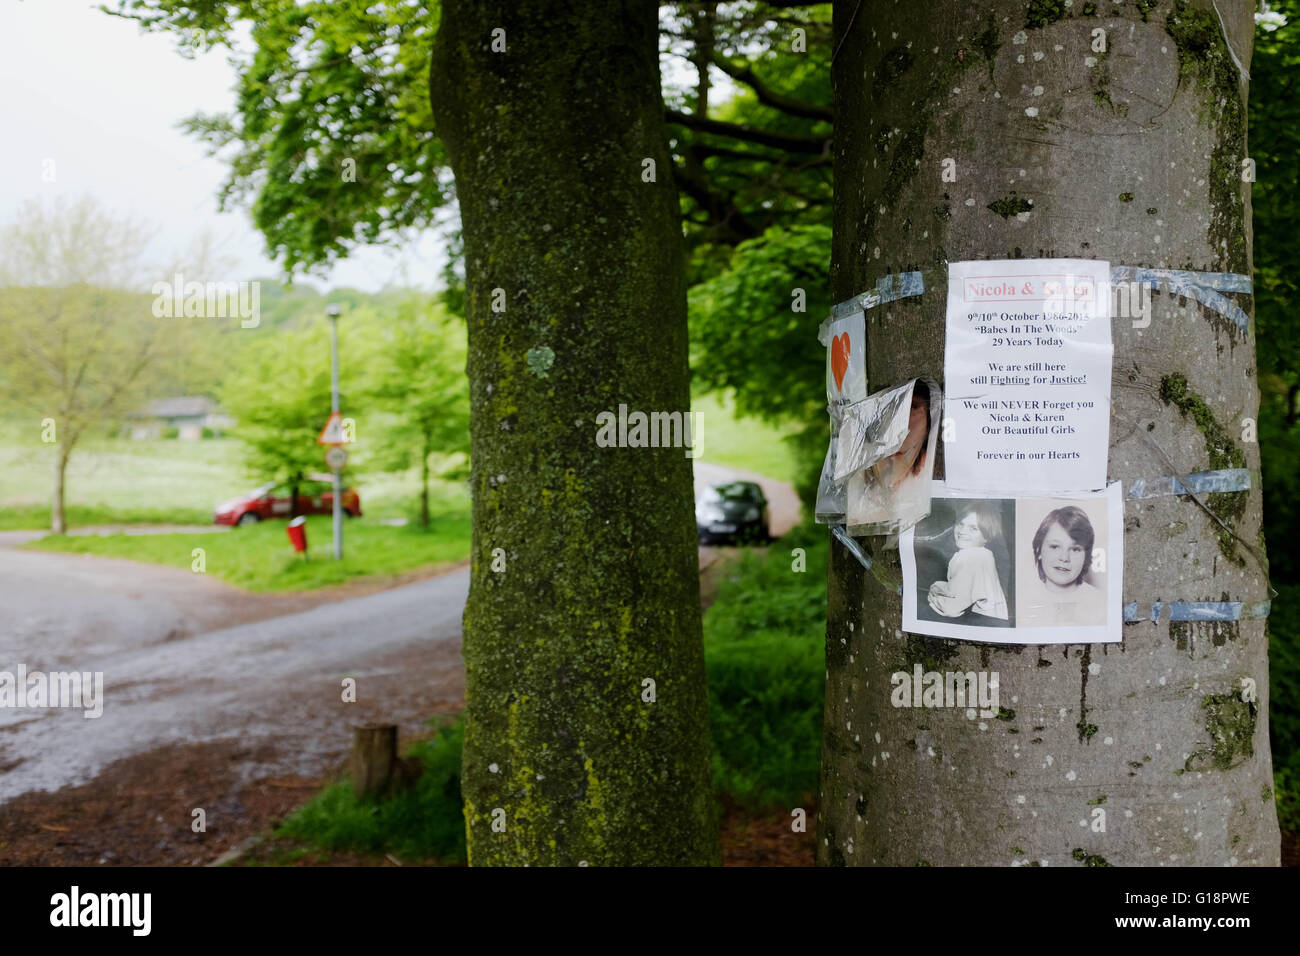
(115, 821)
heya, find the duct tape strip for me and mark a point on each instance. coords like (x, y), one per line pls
(853, 547)
(1204, 287)
(1203, 482)
(888, 288)
(1198, 611)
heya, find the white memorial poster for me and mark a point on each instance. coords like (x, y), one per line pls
(1027, 363)
(1016, 570)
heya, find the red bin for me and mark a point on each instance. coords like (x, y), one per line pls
(297, 531)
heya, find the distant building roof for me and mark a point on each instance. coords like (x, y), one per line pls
(180, 407)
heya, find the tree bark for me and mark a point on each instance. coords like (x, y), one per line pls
(58, 515)
(599, 590)
(1133, 156)
(702, 55)
(424, 482)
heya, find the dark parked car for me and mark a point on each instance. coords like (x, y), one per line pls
(315, 497)
(732, 511)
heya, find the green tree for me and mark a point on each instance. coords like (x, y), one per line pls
(413, 356)
(79, 344)
(759, 156)
(332, 144)
(749, 335)
(278, 392)
(1274, 145)
(754, 172)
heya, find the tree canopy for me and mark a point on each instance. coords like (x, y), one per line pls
(332, 144)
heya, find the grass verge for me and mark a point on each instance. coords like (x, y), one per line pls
(259, 558)
(36, 517)
(424, 822)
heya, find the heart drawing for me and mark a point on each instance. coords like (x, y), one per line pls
(840, 358)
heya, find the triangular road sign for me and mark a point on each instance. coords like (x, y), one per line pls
(332, 433)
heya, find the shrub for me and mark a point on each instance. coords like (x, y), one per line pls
(764, 651)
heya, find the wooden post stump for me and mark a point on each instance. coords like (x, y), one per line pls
(374, 760)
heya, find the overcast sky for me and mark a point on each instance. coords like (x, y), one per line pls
(102, 100)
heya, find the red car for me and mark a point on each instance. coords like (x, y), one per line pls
(315, 497)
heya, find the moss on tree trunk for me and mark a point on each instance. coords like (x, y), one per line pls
(1053, 140)
(584, 582)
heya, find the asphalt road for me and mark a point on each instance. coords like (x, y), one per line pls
(174, 674)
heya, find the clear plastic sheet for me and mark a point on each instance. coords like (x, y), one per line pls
(872, 429)
(844, 336)
(876, 476)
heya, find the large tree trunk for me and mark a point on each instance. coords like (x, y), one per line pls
(594, 590)
(702, 55)
(1133, 156)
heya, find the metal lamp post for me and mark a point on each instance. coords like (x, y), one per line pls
(333, 311)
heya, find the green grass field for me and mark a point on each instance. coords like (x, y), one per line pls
(116, 480)
(119, 481)
(260, 558)
(743, 443)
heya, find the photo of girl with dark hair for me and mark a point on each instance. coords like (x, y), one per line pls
(964, 562)
(1061, 590)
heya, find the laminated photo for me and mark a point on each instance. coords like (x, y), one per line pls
(888, 485)
(1063, 565)
(1023, 570)
(872, 429)
(846, 359)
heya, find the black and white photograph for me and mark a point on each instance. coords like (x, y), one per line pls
(1061, 565)
(965, 559)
